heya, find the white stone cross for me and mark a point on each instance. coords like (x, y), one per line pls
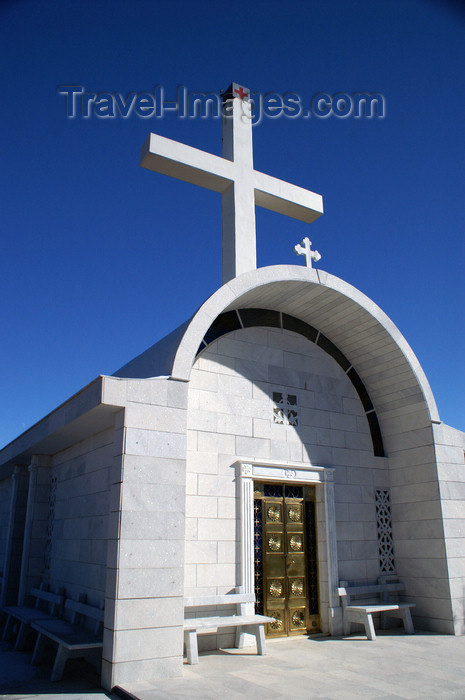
(234, 176)
(304, 248)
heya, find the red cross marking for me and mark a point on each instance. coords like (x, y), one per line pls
(240, 92)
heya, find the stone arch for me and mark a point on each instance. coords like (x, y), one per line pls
(379, 354)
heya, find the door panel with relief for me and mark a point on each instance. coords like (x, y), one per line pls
(285, 558)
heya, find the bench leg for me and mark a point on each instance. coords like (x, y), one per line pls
(7, 629)
(347, 626)
(366, 621)
(192, 652)
(22, 636)
(370, 628)
(38, 649)
(240, 638)
(407, 620)
(260, 637)
(59, 665)
(384, 621)
(258, 631)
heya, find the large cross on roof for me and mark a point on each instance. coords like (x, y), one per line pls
(234, 176)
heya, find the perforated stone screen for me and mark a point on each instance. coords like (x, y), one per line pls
(285, 408)
(384, 526)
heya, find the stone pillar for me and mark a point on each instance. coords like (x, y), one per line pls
(35, 530)
(15, 535)
(244, 475)
(143, 635)
(334, 607)
(6, 486)
(9, 535)
(247, 530)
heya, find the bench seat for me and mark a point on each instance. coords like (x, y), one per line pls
(73, 639)
(23, 614)
(380, 608)
(65, 633)
(26, 615)
(244, 623)
(197, 623)
(362, 613)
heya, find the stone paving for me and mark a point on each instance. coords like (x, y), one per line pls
(422, 666)
(426, 666)
(18, 679)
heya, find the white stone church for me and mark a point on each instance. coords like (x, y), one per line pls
(288, 387)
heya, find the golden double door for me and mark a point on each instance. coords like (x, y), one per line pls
(286, 576)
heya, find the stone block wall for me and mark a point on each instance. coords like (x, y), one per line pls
(78, 514)
(450, 451)
(230, 416)
(417, 513)
(143, 635)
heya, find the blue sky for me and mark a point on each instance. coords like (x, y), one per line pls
(101, 258)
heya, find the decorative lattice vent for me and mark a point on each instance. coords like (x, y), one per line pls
(285, 409)
(384, 525)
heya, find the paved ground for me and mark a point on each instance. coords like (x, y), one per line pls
(423, 666)
(18, 679)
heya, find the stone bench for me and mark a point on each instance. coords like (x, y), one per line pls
(253, 624)
(77, 636)
(47, 606)
(362, 612)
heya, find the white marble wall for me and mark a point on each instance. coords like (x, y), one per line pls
(417, 514)
(80, 524)
(231, 416)
(450, 451)
(143, 635)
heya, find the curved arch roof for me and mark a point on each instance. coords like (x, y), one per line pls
(355, 324)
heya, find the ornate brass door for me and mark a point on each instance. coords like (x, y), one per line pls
(285, 542)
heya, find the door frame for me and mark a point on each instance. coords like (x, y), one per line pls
(323, 478)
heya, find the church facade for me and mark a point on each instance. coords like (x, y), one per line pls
(283, 439)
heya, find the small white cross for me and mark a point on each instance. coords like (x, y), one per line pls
(304, 249)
